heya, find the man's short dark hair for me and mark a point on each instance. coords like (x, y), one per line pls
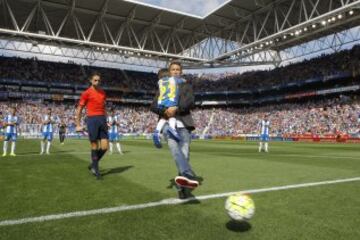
(93, 74)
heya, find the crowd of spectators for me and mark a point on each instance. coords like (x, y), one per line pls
(133, 119)
(324, 65)
(319, 117)
(35, 70)
(325, 116)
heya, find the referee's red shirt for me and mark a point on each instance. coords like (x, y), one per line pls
(94, 100)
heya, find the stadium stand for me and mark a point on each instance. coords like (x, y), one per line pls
(346, 61)
(42, 84)
(315, 117)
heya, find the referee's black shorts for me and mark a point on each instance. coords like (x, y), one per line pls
(97, 128)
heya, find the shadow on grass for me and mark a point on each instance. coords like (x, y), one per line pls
(191, 198)
(117, 170)
(117, 153)
(237, 226)
(51, 152)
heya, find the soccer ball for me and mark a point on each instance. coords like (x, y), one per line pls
(240, 207)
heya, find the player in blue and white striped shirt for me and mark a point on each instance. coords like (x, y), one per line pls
(114, 122)
(264, 135)
(47, 131)
(11, 122)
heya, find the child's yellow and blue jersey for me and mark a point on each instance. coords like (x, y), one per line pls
(169, 91)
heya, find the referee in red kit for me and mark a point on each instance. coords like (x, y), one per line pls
(94, 99)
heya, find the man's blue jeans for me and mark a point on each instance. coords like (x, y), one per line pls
(180, 150)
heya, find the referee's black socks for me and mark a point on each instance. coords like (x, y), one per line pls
(100, 153)
(95, 159)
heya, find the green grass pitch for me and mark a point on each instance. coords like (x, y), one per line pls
(33, 185)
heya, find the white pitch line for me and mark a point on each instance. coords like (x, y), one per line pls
(314, 156)
(165, 202)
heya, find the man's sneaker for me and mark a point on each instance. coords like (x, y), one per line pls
(91, 169)
(94, 172)
(4, 155)
(182, 193)
(157, 139)
(173, 133)
(41, 153)
(187, 181)
(98, 176)
(12, 154)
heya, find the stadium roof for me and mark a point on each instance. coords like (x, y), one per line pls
(237, 30)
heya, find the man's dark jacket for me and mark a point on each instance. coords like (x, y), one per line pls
(185, 104)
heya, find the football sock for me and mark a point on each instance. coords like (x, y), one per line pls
(118, 147)
(13, 145)
(5, 147)
(48, 147)
(42, 146)
(94, 160)
(111, 147)
(100, 153)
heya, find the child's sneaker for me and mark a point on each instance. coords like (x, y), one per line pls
(157, 139)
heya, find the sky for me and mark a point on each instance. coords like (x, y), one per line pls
(200, 8)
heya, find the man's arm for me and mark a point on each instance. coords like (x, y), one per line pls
(79, 109)
(108, 122)
(259, 127)
(12, 123)
(5, 122)
(82, 103)
(186, 99)
(15, 122)
(52, 120)
(118, 121)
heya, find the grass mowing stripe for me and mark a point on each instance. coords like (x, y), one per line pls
(52, 154)
(165, 202)
(255, 153)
